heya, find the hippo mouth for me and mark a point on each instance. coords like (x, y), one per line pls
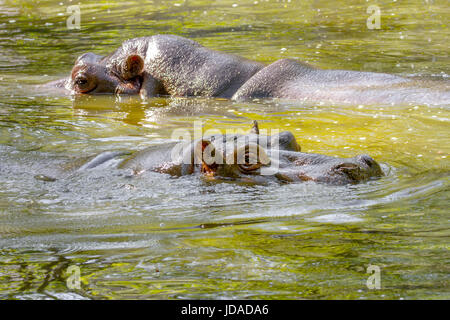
(130, 87)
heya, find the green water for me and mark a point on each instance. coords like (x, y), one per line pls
(156, 237)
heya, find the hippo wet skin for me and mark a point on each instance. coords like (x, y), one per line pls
(161, 65)
(250, 158)
(289, 79)
(176, 66)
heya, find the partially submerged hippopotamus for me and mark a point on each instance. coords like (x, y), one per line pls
(176, 66)
(161, 65)
(251, 158)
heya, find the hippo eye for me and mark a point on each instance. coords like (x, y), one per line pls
(84, 84)
(81, 82)
(250, 163)
(251, 157)
(249, 167)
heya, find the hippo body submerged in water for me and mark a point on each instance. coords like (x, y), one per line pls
(248, 158)
(161, 65)
(289, 79)
(176, 66)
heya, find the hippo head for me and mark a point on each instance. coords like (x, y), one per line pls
(256, 158)
(91, 75)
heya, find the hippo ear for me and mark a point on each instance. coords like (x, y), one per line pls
(285, 141)
(132, 67)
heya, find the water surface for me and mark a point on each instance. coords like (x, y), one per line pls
(157, 237)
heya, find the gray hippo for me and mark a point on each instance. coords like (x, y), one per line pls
(176, 66)
(249, 158)
(160, 65)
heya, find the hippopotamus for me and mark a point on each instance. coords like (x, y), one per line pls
(176, 66)
(160, 65)
(249, 158)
